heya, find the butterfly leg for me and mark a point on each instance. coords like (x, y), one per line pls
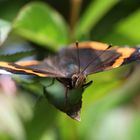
(52, 82)
(87, 84)
(44, 87)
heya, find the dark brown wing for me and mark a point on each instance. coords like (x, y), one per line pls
(26, 68)
(114, 58)
(86, 51)
(101, 58)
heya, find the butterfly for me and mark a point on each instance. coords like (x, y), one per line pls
(71, 66)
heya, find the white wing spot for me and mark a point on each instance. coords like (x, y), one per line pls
(5, 72)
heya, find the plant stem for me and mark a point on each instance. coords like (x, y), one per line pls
(74, 14)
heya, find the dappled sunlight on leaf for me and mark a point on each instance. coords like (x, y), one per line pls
(41, 24)
(5, 28)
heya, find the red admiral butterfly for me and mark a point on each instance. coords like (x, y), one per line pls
(71, 65)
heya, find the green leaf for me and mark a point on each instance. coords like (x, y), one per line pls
(96, 10)
(41, 24)
(56, 95)
(131, 26)
(4, 30)
(126, 31)
(44, 117)
(135, 127)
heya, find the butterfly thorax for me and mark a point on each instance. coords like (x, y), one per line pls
(75, 81)
(78, 80)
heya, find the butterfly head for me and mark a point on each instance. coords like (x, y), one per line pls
(78, 80)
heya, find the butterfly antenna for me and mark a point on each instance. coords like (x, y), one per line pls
(95, 58)
(78, 57)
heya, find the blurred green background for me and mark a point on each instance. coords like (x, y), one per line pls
(30, 30)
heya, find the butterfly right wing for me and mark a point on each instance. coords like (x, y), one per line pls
(103, 58)
(96, 57)
(77, 58)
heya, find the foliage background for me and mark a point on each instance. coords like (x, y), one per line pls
(35, 28)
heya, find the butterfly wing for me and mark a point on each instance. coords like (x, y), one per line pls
(27, 68)
(100, 58)
(89, 57)
(59, 66)
(114, 58)
(79, 57)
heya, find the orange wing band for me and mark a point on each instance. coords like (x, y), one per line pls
(13, 68)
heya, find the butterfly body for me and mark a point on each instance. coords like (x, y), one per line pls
(76, 81)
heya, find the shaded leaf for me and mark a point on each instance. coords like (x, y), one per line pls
(95, 11)
(126, 31)
(71, 106)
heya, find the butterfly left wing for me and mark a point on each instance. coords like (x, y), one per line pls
(25, 68)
